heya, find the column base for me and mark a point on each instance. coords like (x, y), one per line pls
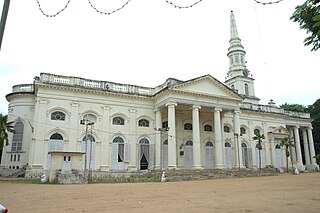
(220, 166)
(198, 167)
(170, 167)
(300, 166)
(312, 167)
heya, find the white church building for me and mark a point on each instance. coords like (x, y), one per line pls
(70, 123)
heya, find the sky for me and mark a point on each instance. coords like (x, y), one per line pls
(147, 42)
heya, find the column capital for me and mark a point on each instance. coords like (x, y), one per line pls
(217, 109)
(196, 107)
(296, 127)
(171, 104)
(158, 109)
(309, 127)
(237, 112)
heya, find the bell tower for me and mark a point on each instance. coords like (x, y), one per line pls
(239, 77)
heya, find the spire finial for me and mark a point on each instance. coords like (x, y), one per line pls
(233, 27)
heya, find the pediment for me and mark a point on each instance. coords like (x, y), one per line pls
(208, 86)
(280, 130)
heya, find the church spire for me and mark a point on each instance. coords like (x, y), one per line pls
(238, 77)
(236, 51)
(233, 27)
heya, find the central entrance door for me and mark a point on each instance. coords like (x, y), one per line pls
(228, 155)
(188, 155)
(209, 155)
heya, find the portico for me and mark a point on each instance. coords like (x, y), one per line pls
(186, 110)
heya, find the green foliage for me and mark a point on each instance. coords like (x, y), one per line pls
(308, 17)
(317, 157)
(294, 107)
(5, 127)
(287, 142)
(315, 115)
(259, 137)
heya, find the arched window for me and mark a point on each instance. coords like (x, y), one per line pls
(278, 146)
(243, 145)
(246, 89)
(231, 59)
(90, 138)
(144, 141)
(90, 118)
(226, 129)
(188, 126)
(118, 140)
(209, 143)
(56, 136)
(237, 59)
(256, 132)
(165, 124)
(58, 116)
(227, 144)
(56, 143)
(17, 137)
(242, 130)
(207, 128)
(144, 154)
(120, 148)
(165, 142)
(143, 123)
(118, 121)
(189, 143)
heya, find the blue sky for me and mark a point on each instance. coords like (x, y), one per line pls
(147, 42)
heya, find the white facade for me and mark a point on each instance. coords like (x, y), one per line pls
(196, 124)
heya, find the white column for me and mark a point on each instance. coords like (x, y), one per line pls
(172, 143)
(74, 123)
(158, 139)
(196, 137)
(293, 149)
(106, 140)
(237, 140)
(306, 146)
(298, 147)
(311, 145)
(132, 139)
(218, 139)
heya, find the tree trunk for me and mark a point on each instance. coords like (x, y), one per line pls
(287, 159)
(260, 159)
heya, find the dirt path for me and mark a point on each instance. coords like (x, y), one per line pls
(284, 193)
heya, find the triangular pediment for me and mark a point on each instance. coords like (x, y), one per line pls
(280, 130)
(208, 86)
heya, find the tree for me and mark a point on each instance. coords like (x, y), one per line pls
(286, 142)
(259, 137)
(315, 115)
(5, 127)
(317, 157)
(308, 17)
(294, 107)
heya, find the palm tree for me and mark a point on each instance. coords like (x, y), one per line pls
(259, 137)
(287, 142)
(5, 127)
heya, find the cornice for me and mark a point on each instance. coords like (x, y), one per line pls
(18, 94)
(93, 91)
